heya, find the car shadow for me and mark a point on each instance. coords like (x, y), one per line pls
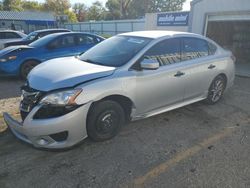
(10, 87)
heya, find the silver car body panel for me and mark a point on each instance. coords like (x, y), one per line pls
(32, 131)
(150, 91)
(51, 75)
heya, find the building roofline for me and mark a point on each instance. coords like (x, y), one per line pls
(195, 2)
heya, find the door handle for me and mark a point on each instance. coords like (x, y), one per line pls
(211, 67)
(179, 74)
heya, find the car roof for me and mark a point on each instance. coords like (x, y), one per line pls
(154, 34)
(70, 33)
(8, 30)
(46, 30)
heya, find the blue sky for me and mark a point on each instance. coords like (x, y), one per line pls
(89, 2)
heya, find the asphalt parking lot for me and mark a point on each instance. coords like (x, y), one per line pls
(194, 146)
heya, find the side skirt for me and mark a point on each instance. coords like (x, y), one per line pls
(166, 109)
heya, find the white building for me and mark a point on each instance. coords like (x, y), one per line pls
(26, 21)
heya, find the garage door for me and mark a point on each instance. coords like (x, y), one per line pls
(243, 17)
(233, 33)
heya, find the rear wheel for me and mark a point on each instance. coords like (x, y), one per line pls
(105, 120)
(216, 90)
(27, 67)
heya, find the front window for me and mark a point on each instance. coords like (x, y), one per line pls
(165, 52)
(42, 41)
(115, 51)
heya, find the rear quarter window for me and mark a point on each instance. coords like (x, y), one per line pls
(211, 48)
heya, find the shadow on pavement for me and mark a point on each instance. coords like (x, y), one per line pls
(10, 87)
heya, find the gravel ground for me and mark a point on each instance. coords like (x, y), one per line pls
(194, 146)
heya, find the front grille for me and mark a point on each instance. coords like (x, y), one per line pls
(30, 98)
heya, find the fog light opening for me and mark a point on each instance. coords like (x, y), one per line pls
(42, 142)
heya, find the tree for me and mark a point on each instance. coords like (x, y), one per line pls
(113, 12)
(1, 5)
(60, 7)
(15, 5)
(71, 16)
(31, 5)
(81, 11)
(124, 6)
(138, 8)
(96, 11)
(57, 6)
(164, 5)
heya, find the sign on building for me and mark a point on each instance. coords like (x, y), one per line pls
(173, 19)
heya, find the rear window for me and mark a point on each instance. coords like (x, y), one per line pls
(9, 35)
(193, 48)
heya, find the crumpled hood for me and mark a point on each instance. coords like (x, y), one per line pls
(65, 72)
(10, 49)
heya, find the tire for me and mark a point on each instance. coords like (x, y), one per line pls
(105, 120)
(216, 90)
(27, 67)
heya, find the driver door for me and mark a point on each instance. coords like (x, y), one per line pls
(165, 86)
(63, 46)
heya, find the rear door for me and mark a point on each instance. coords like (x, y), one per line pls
(85, 42)
(200, 68)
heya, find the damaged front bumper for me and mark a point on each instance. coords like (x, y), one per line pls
(44, 133)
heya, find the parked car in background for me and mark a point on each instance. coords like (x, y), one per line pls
(34, 36)
(19, 60)
(10, 35)
(126, 77)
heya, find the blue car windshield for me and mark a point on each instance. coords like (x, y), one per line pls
(42, 41)
(115, 51)
(31, 36)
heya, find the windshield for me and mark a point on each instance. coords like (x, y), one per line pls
(115, 51)
(31, 36)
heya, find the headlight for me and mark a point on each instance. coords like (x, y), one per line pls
(8, 58)
(62, 98)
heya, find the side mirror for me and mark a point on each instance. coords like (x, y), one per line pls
(149, 64)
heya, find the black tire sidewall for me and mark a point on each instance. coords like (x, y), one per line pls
(209, 100)
(23, 76)
(98, 109)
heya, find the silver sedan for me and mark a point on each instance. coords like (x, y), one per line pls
(125, 78)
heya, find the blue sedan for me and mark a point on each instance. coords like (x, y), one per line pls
(20, 60)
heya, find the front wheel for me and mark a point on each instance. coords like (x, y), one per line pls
(216, 90)
(27, 67)
(105, 120)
